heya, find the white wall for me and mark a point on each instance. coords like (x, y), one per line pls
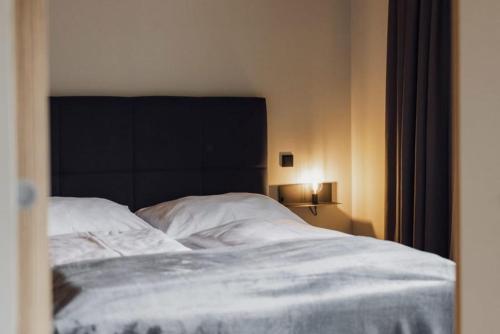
(478, 74)
(8, 210)
(296, 53)
(368, 72)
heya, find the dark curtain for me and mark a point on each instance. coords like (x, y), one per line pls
(418, 125)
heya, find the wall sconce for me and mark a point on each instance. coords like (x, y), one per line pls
(315, 188)
(307, 195)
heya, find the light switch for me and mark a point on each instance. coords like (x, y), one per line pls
(286, 159)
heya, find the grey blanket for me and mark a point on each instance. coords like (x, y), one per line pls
(339, 285)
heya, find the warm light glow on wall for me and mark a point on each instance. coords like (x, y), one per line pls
(315, 187)
(312, 176)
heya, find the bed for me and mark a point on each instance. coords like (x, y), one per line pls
(207, 251)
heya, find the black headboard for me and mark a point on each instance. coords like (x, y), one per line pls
(140, 151)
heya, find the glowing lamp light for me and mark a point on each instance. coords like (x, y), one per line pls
(315, 187)
(313, 177)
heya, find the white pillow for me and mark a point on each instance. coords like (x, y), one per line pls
(188, 215)
(72, 214)
(248, 231)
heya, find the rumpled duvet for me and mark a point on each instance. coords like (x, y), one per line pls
(336, 285)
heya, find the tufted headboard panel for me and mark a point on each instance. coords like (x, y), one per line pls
(140, 151)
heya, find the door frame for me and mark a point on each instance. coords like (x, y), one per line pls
(34, 285)
(8, 203)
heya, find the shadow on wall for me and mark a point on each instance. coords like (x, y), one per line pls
(363, 228)
(330, 217)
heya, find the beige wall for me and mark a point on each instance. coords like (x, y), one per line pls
(368, 65)
(8, 209)
(296, 53)
(479, 162)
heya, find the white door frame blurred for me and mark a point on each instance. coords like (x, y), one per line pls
(8, 207)
(34, 287)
